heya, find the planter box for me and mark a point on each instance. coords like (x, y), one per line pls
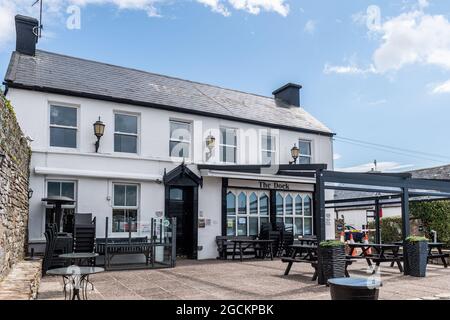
(333, 262)
(416, 258)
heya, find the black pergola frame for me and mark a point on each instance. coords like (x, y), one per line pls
(400, 186)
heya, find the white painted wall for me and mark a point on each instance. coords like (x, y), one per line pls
(95, 173)
(357, 217)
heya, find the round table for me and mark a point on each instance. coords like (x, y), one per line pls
(75, 279)
(77, 258)
(354, 288)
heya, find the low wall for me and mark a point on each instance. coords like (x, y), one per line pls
(15, 157)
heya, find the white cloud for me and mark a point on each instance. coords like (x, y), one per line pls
(441, 88)
(310, 26)
(387, 166)
(336, 156)
(347, 69)
(55, 9)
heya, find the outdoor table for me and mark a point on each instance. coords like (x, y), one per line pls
(244, 244)
(76, 278)
(77, 258)
(382, 253)
(441, 255)
(310, 255)
(307, 241)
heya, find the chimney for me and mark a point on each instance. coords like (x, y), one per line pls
(26, 35)
(289, 93)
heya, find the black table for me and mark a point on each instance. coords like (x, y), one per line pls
(440, 255)
(384, 253)
(301, 253)
(244, 244)
(75, 279)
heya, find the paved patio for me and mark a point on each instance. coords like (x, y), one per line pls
(212, 280)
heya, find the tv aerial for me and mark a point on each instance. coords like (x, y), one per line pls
(38, 30)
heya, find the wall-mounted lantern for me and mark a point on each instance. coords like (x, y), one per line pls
(210, 142)
(295, 153)
(30, 193)
(99, 131)
(2, 158)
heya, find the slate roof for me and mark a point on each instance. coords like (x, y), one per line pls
(58, 73)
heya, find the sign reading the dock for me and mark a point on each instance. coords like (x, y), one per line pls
(274, 185)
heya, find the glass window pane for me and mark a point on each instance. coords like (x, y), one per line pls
(242, 226)
(179, 149)
(53, 188)
(305, 147)
(126, 144)
(119, 195)
(263, 221)
(231, 226)
(289, 222)
(279, 204)
(118, 223)
(68, 190)
(131, 196)
(131, 217)
(63, 116)
(298, 205)
(176, 194)
(180, 131)
(231, 204)
(298, 227)
(304, 160)
(126, 123)
(307, 206)
(228, 136)
(242, 203)
(308, 226)
(228, 154)
(289, 206)
(253, 226)
(264, 205)
(279, 220)
(63, 137)
(253, 204)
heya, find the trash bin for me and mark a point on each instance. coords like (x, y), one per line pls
(354, 288)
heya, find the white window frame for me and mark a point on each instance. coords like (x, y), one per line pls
(274, 149)
(137, 134)
(179, 140)
(75, 191)
(222, 144)
(295, 215)
(50, 125)
(114, 207)
(301, 155)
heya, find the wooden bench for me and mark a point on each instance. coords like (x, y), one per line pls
(225, 247)
(314, 264)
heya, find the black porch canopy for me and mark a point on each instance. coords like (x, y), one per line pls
(387, 187)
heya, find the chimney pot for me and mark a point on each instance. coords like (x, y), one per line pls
(289, 93)
(26, 34)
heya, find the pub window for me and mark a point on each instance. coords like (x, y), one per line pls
(305, 152)
(231, 214)
(295, 211)
(63, 126)
(228, 145)
(298, 227)
(125, 133)
(308, 230)
(125, 207)
(180, 139)
(289, 219)
(279, 204)
(58, 189)
(263, 209)
(268, 149)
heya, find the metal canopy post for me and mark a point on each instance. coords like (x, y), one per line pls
(377, 222)
(405, 225)
(319, 218)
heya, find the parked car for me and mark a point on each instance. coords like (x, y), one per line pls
(358, 235)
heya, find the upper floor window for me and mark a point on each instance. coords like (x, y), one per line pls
(228, 145)
(268, 149)
(63, 126)
(180, 139)
(305, 152)
(125, 133)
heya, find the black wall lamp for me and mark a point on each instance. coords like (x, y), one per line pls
(30, 193)
(295, 153)
(99, 131)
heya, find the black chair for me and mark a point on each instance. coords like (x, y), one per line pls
(51, 234)
(275, 236)
(84, 233)
(287, 241)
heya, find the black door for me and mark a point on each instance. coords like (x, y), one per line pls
(181, 206)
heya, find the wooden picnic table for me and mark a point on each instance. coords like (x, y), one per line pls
(384, 253)
(244, 244)
(431, 246)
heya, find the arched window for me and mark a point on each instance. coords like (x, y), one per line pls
(264, 205)
(253, 204)
(231, 204)
(279, 204)
(298, 205)
(289, 205)
(307, 206)
(242, 203)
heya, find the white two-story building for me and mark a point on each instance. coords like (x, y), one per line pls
(165, 145)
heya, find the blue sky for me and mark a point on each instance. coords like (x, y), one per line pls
(386, 82)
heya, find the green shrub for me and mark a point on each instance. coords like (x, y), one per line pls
(435, 216)
(416, 239)
(331, 243)
(391, 229)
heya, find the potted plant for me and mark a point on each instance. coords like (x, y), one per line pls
(416, 254)
(332, 260)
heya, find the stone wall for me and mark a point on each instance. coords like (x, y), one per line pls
(14, 179)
